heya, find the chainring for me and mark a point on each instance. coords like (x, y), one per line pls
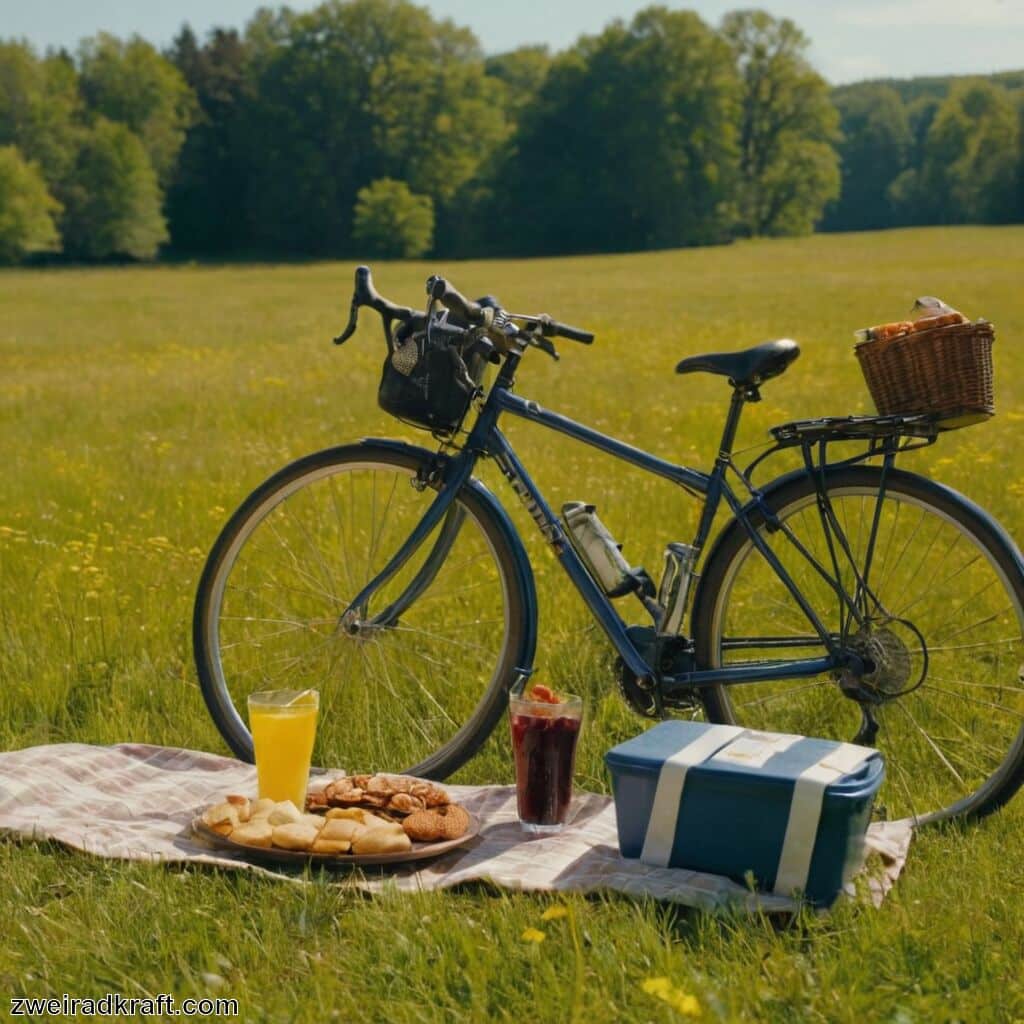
(671, 656)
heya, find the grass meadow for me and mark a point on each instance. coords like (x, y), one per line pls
(139, 406)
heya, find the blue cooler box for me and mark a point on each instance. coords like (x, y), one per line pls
(726, 800)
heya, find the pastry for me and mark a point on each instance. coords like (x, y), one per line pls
(241, 805)
(221, 818)
(429, 826)
(927, 323)
(400, 793)
(886, 332)
(340, 829)
(295, 836)
(406, 803)
(261, 808)
(283, 813)
(316, 800)
(331, 846)
(354, 814)
(254, 833)
(388, 838)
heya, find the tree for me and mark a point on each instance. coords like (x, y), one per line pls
(351, 92)
(522, 71)
(113, 207)
(132, 84)
(788, 167)
(629, 144)
(27, 210)
(969, 169)
(391, 222)
(876, 147)
(39, 108)
(433, 123)
(206, 203)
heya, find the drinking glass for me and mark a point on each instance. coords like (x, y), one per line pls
(544, 739)
(283, 726)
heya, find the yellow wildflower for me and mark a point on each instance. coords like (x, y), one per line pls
(663, 989)
(554, 913)
(533, 935)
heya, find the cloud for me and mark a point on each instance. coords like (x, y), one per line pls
(928, 13)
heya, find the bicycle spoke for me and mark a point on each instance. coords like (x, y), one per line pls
(975, 700)
(942, 740)
(931, 743)
(390, 697)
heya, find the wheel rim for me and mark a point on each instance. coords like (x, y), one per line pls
(397, 697)
(950, 742)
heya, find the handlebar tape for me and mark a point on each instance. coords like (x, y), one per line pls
(366, 295)
(573, 333)
(465, 309)
(553, 329)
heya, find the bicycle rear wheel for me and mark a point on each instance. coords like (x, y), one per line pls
(944, 646)
(418, 692)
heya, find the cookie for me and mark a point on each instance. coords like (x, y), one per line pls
(405, 803)
(448, 822)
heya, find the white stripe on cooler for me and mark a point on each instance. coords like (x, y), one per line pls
(805, 814)
(661, 827)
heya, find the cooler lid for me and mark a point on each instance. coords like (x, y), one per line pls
(773, 758)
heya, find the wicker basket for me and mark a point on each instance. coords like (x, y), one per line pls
(945, 372)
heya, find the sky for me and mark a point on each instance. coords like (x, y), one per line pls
(850, 39)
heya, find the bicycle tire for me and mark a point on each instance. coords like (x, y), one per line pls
(520, 634)
(797, 490)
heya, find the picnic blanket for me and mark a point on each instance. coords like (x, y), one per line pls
(136, 802)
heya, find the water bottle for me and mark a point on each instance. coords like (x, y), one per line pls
(597, 548)
(674, 589)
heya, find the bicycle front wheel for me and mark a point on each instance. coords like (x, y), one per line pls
(941, 635)
(420, 682)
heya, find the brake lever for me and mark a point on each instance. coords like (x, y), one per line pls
(539, 341)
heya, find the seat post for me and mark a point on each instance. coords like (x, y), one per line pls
(741, 393)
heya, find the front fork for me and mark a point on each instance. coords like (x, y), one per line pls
(453, 474)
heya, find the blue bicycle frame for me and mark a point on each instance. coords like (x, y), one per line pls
(485, 439)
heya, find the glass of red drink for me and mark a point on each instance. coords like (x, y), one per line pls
(545, 728)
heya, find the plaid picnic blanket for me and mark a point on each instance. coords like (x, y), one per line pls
(136, 802)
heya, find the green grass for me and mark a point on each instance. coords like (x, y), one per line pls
(139, 406)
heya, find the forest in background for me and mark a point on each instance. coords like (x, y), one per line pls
(370, 127)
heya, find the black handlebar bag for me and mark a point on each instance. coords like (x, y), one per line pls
(427, 384)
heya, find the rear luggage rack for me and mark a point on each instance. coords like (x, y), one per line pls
(855, 428)
(884, 436)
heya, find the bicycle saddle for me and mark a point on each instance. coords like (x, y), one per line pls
(750, 366)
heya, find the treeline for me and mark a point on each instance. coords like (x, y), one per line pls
(367, 126)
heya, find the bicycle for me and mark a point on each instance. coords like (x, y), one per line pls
(847, 598)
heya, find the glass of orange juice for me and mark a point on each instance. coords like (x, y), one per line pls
(283, 727)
